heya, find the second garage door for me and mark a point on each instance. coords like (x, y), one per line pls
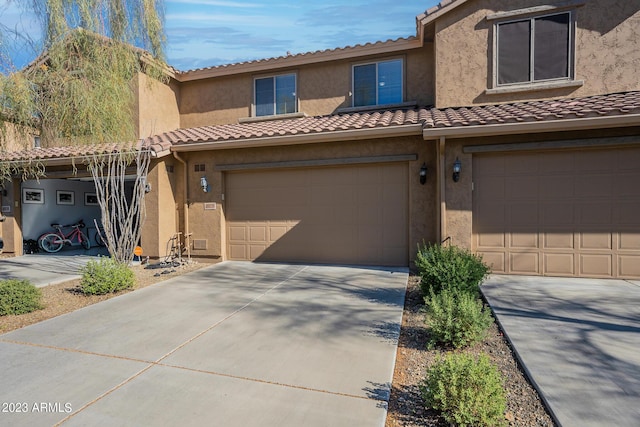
(564, 213)
(347, 214)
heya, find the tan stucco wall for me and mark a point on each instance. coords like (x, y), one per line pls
(322, 88)
(209, 224)
(156, 106)
(607, 51)
(161, 220)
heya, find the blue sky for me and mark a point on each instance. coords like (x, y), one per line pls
(203, 33)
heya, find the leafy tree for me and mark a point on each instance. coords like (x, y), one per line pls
(78, 90)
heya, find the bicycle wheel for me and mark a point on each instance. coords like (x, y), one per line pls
(84, 241)
(52, 243)
(98, 239)
(42, 236)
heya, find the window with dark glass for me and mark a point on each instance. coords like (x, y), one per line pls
(377, 83)
(534, 49)
(275, 95)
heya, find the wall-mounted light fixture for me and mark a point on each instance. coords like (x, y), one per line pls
(204, 184)
(423, 173)
(456, 170)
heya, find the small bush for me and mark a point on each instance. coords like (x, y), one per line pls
(449, 267)
(105, 276)
(456, 318)
(18, 297)
(468, 391)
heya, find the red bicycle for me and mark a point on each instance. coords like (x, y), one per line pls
(53, 242)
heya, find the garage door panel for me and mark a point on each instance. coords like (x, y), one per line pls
(349, 214)
(595, 240)
(627, 212)
(582, 207)
(523, 215)
(629, 265)
(523, 240)
(554, 214)
(495, 260)
(561, 264)
(557, 240)
(490, 239)
(519, 188)
(596, 213)
(554, 188)
(594, 186)
(524, 262)
(597, 265)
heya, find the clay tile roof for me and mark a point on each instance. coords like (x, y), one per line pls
(304, 55)
(293, 126)
(615, 104)
(74, 151)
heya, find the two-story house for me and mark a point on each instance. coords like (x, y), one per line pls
(508, 127)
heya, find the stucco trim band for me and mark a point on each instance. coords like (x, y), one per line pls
(529, 127)
(548, 145)
(318, 162)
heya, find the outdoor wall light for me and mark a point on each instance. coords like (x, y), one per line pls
(204, 184)
(456, 170)
(423, 173)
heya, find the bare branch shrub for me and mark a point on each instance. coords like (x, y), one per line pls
(123, 212)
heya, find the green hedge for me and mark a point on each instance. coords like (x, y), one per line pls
(467, 390)
(19, 297)
(449, 267)
(104, 276)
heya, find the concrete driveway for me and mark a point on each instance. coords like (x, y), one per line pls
(235, 344)
(579, 342)
(44, 269)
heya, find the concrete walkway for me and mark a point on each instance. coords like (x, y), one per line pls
(235, 344)
(44, 269)
(579, 342)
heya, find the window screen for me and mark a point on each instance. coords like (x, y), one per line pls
(534, 49)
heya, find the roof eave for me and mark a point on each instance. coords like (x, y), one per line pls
(532, 127)
(299, 139)
(302, 59)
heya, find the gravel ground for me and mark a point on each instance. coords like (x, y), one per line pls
(406, 406)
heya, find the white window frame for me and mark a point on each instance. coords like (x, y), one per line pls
(402, 81)
(254, 109)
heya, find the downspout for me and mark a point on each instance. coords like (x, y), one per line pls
(442, 199)
(185, 192)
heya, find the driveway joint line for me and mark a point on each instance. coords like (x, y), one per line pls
(258, 380)
(219, 322)
(157, 362)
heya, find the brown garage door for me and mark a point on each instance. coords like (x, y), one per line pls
(565, 213)
(348, 214)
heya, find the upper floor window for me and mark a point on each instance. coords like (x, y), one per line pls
(377, 83)
(275, 95)
(535, 49)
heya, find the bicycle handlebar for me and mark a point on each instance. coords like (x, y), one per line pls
(79, 224)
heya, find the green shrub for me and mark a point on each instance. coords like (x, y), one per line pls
(18, 297)
(468, 391)
(456, 318)
(104, 276)
(449, 267)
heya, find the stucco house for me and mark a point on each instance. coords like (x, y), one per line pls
(508, 127)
